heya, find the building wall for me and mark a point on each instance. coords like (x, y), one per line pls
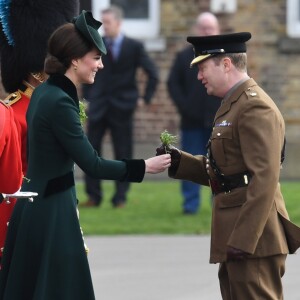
(273, 61)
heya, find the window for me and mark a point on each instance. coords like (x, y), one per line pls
(141, 17)
(223, 6)
(293, 18)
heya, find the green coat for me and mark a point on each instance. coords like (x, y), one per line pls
(248, 135)
(44, 256)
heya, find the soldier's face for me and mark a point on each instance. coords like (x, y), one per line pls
(212, 77)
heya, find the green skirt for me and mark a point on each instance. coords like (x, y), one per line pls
(44, 256)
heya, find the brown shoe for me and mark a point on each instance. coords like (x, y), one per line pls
(119, 205)
(89, 203)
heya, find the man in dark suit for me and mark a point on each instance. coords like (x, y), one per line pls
(196, 108)
(113, 98)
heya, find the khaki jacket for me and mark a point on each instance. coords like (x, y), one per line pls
(248, 135)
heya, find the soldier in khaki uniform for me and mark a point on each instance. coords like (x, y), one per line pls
(251, 233)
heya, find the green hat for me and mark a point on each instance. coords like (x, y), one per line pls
(88, 27)
(208, 46)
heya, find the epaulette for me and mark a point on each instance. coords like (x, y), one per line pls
(12, 98)
(25, 88)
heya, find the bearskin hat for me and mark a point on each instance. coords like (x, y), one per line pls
(25, 27)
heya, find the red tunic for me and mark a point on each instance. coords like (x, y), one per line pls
(19, 101)
(10, 159)
(10, 164)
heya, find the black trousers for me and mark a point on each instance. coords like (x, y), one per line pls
(120, 125)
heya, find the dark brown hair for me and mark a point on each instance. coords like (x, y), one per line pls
(65, 44)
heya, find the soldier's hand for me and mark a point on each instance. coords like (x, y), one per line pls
(234, 254)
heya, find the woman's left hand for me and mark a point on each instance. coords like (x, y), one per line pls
(158, 164)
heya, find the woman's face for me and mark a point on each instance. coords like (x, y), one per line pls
(88, 66)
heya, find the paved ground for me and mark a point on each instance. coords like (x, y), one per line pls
(163, 268)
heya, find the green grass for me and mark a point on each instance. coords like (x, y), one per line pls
(155, 207)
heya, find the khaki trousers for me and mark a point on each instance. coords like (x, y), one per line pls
(252, 279)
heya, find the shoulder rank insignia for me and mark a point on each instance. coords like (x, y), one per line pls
(251, 92)
(12, 98)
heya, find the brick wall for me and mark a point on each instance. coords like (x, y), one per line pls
(177, 18)
(270, 62)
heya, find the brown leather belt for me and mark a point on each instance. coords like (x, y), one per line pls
(228, 183)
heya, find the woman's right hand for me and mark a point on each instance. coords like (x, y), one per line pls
(158, 164)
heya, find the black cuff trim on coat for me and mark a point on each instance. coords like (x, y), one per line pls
(135, 170)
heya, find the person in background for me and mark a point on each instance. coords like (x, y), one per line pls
(251, 233)
(44, 255)
(24, 31)
(195, 107)
(113, 99)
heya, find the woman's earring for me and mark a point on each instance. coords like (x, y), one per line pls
(75, 68)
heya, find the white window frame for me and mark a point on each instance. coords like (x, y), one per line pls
(223, 6)
(293, 18)
(137, 28)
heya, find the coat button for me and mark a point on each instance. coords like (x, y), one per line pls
(218, 134)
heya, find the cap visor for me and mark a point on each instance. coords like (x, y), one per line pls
(199, 58)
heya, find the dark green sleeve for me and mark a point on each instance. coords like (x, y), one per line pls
(68, 130)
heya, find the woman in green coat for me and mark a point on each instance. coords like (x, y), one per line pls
(44, 256)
